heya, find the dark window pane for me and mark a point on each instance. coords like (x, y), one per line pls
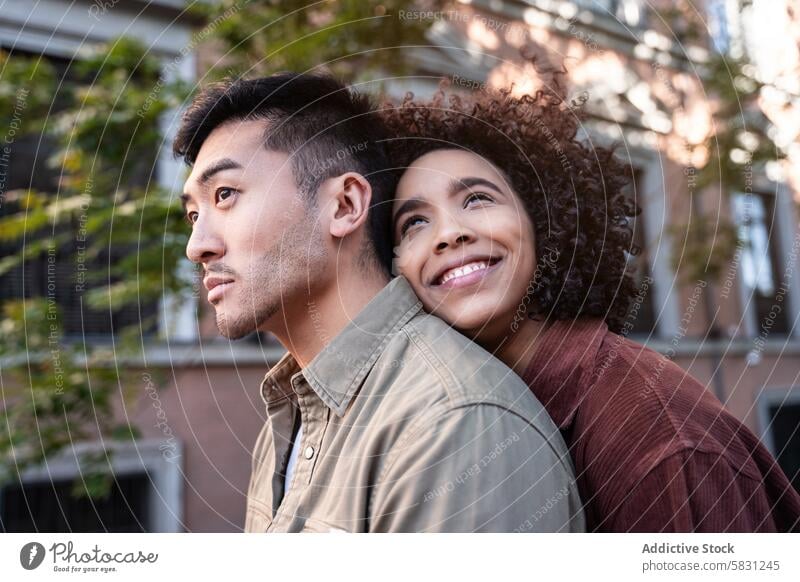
(761, 266)
(785, 430)
(49, 507)
(641, 315)
(28, 169)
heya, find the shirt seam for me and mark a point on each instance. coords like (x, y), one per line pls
(369, 363)
(277, 369)
(436, 414)
(256, 506)
(448, 381)
(429, 357)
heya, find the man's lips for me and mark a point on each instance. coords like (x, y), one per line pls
(464, 271)
(216, 287)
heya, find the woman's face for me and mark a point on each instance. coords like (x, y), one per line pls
(464, 241)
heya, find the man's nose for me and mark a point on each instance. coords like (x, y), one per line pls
(204, 244)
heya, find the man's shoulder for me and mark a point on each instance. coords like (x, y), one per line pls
(437, 364)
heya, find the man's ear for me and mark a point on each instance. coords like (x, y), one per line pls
(348, 198)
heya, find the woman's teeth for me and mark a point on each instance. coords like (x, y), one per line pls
(461, 271)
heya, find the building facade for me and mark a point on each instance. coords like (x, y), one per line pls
(640, 81)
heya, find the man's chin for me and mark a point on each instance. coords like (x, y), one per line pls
(239, 325)
(234, 329)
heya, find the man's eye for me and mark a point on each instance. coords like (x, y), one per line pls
(223, 194)
(191, 217)
(410, 222)
(477, 196)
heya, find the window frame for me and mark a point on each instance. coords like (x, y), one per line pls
(165, 499)
(767, 398)
(784, 235)
(651, 197)
(36, 31)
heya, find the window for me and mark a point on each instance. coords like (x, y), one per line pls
(146, 497)
(626, 11)
(718, 25)
(28, 169)
(45, 506)
(783, 420)
(760, 264)
(641, 315)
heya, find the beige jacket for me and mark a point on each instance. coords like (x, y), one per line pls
(408, 426)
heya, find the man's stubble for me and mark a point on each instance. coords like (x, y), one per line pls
(280, 277)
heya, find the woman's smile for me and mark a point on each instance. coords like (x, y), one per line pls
(465, 273)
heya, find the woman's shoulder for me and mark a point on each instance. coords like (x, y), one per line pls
(632, 371)
(642, 407)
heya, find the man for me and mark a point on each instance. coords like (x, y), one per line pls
(380, 417)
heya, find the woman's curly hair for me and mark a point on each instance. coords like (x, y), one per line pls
(573, 192)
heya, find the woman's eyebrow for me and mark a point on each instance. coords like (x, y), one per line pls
(411, 205)
(456, 186)
(460, 184)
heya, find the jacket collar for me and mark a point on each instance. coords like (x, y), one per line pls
(337, 372)
(561, 370)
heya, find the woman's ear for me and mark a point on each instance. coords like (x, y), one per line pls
(348, 199)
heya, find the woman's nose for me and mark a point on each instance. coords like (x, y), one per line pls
(453, 234)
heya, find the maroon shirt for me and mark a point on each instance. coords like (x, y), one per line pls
(653, 449)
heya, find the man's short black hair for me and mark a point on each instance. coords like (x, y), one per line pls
(327, 128)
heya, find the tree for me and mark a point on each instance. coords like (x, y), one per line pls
(59, 390)
(738, 144)
(353, 39)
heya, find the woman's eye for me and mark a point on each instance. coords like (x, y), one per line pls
(477, 196)
(191, 217)
(409, 223)
(224, 194)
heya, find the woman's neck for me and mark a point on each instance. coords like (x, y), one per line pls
(516, 349)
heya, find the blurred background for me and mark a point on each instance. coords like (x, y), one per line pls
(122, 407)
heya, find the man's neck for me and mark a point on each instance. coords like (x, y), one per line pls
(318, 319)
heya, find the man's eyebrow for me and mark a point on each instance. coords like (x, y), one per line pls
(216, 167)
(460, 184)
(208, 173)
(410, 205)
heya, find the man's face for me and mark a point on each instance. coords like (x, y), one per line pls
(251, 230)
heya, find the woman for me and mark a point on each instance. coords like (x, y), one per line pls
(518, 235)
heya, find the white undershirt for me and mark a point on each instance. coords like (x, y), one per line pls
(292, 459)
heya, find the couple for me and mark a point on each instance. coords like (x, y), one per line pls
(304, 198)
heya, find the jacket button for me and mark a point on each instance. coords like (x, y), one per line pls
(309, 452)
